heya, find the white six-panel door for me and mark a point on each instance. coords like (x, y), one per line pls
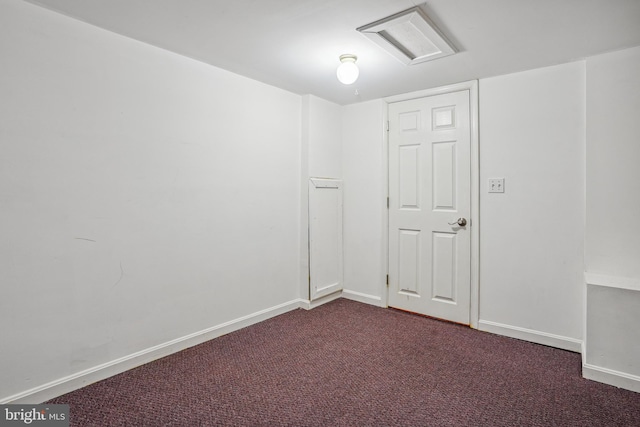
(429, 203)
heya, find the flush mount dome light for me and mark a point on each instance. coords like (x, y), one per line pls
(348, 71)
(409, 36)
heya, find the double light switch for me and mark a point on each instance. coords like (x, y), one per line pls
(496, 185)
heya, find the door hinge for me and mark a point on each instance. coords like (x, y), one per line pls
(387, 202)
(387, 125)
(387, 280)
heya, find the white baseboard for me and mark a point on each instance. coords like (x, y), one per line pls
(611, 377)
(531, 335)
(308, 305)
(80, 379)
(360, 297)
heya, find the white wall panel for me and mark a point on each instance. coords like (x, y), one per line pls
(325, 137)
(613, 336)
(325, 237)
(321, 156)
(613, 176)
(531, 237)
(364, 200)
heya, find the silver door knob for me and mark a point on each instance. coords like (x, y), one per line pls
(461, 222)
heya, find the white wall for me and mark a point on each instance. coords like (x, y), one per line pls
(613, 175)
(531, 255)
(364, 163)
(531, 237)
(324, 133)
(145, 196)
(612, 349)
(555, 134)
(321, 155)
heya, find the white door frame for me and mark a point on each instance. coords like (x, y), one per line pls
(472, 87)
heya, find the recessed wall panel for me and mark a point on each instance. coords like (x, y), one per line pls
(443, 118)
(325, 236)
(444, 266)
(409, 158)
(409, 121)
(409, 256)
(444, 175)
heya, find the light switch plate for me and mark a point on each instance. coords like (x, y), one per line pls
(496, 185)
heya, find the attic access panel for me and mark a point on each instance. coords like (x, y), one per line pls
(409, 36)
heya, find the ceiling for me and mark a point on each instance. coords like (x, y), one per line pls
(295, 44)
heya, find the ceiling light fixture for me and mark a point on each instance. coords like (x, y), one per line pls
(348, 70)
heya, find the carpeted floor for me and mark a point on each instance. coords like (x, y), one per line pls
(350, 364)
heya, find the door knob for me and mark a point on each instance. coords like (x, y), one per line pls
(461, 222)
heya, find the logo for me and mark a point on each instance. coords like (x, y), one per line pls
(34, 415)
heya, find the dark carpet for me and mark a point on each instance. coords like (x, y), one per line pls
(351, 364)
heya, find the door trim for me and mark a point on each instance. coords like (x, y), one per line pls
(472, 87)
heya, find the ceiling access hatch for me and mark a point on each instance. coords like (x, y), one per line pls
(409, 36)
